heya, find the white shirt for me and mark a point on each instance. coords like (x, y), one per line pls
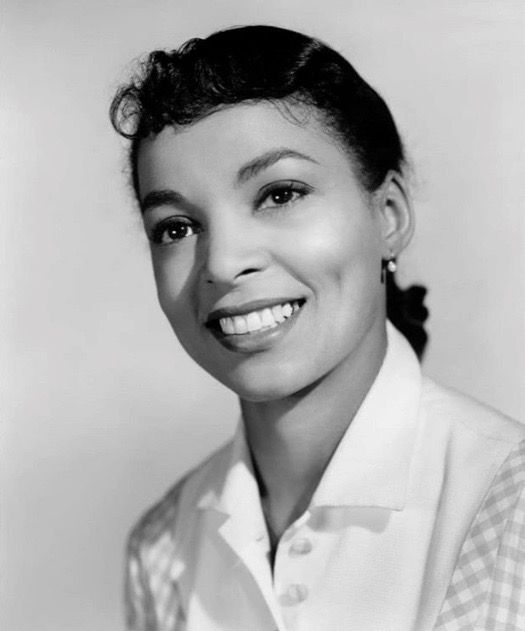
(376, 548)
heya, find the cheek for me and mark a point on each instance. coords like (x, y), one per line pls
(343, 251)
(172, 277)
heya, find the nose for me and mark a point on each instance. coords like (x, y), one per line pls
(232, 250)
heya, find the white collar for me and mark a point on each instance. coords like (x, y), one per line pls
(371, 464)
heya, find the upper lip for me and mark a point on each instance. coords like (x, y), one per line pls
(247, 307)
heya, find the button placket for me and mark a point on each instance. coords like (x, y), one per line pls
(289, 571)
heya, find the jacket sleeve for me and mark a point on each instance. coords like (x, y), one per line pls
(152, 597)
(138, 600)
(486, 591)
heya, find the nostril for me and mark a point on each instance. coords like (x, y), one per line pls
(244, 272)
(250, 270)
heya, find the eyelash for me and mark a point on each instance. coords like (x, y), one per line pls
(172, 223)
(297, 189)
(159, 233)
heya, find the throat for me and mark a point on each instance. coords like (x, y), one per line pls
(280, 511)
(278, 520)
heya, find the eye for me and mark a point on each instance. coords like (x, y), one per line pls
(173, 230)
(282, 194)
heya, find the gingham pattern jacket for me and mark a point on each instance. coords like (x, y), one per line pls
(487, 590)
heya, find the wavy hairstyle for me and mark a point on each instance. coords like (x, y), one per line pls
(254, 63)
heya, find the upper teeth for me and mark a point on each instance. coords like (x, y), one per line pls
(255, 320)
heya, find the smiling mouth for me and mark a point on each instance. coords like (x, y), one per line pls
(258, 320)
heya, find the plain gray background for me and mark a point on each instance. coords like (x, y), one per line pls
(101, 409)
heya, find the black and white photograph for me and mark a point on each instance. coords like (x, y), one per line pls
(262, 288)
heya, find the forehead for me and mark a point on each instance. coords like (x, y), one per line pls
(223, 141)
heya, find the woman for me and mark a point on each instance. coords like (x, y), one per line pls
(355, 493)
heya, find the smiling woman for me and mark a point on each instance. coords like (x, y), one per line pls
(355, 493)
(278, 220)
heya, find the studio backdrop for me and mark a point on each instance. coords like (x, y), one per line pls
(98, 417)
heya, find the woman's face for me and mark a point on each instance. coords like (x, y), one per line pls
(265, 247)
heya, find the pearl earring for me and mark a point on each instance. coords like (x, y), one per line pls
(392, 265)
(388, 265)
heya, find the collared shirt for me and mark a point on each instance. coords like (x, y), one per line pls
(417, 523)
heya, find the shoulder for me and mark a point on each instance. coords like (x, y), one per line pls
(158, 525)
(486, 587)
(460, 412)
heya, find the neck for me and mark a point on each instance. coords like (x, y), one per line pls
(292, 440)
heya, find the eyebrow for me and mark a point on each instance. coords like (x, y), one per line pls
(165, 197)
(170, 197)
(268, 159)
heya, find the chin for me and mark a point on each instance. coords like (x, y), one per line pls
(259, 386)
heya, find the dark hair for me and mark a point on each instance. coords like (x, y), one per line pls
(254, 63)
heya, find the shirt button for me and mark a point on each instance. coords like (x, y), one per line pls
(294, 595)
(300, 546)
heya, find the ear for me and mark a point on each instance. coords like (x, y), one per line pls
(395, 214)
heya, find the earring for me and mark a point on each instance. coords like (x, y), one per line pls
(392, 265)
(388, 265)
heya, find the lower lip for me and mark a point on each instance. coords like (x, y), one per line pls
(257, 341)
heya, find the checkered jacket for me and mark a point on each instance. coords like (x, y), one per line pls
(487, 590)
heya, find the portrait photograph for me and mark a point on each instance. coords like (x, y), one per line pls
(262, 315)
